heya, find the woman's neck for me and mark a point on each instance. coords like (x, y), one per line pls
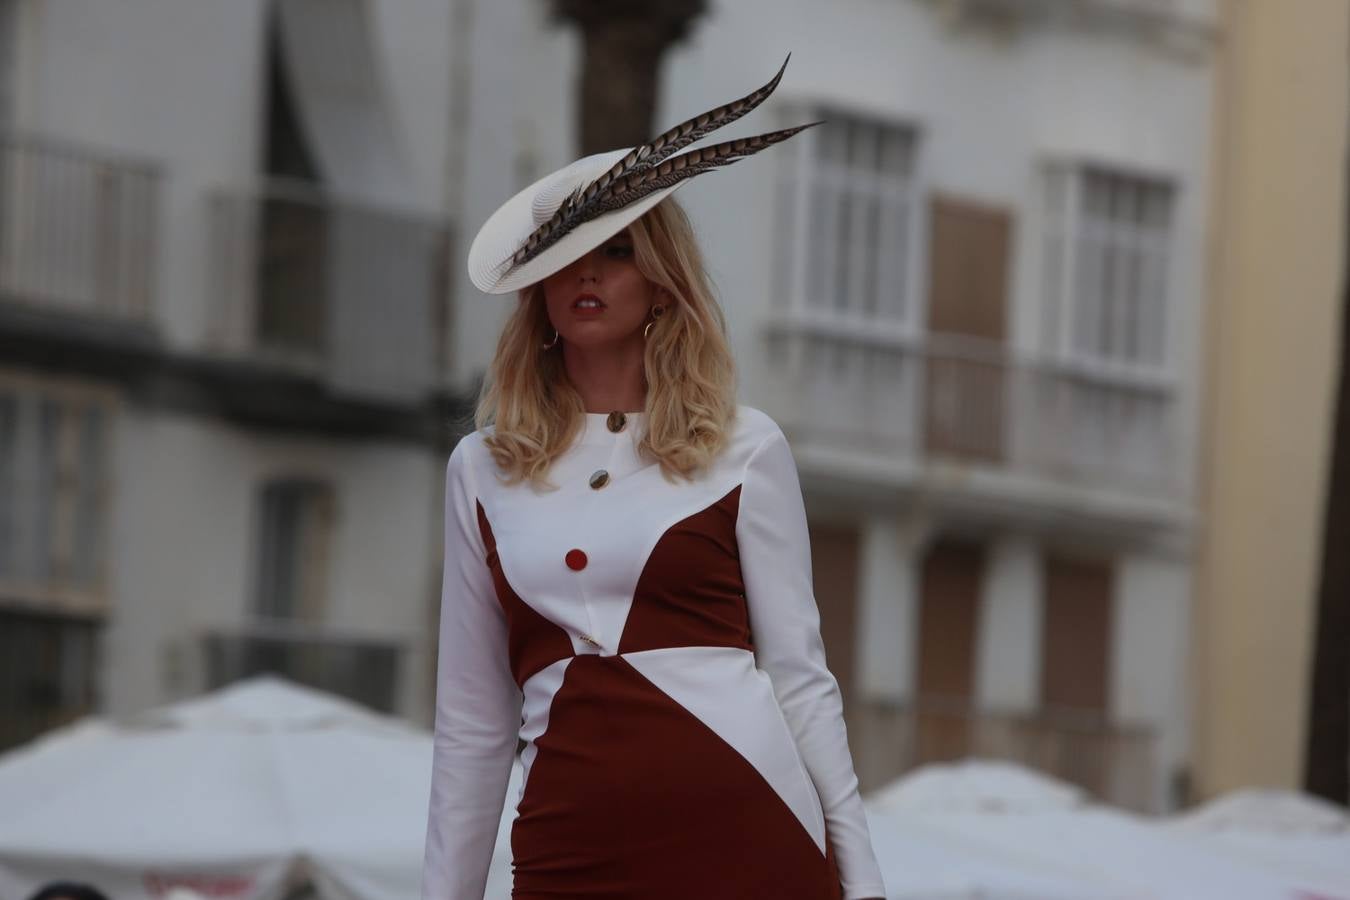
(608, 379)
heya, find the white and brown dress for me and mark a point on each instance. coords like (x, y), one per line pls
(656, 645)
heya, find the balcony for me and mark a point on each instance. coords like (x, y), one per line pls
(1166, 18)
(346, 296)
(357, 667)
(77, 230)
(1111, 762)
(964, 420)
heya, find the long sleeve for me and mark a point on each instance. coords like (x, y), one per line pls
(776, 567)
(477, 705)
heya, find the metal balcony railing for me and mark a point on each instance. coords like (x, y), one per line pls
(77, 228)
(1111, 762)
(1190, 15)
(324, 286)
(948, 401)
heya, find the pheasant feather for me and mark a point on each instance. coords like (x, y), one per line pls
(651, 167)
(691, 130)
(687, 165)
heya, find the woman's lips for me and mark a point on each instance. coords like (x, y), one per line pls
(588, 305)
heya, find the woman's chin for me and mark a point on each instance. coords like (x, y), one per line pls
(598, 336)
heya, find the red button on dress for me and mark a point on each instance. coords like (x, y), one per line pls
(576, 560)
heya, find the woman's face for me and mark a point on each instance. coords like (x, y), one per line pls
(602, 298)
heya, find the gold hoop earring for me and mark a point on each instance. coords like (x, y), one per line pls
(553, 343)
(657, 311)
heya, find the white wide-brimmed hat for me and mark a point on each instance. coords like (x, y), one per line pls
(568, 213)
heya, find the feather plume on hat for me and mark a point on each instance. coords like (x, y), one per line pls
(584, 204)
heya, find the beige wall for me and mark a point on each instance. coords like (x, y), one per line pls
(1276, 278)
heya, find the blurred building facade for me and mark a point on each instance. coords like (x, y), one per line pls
(973, 299)
(1273, 331)
(984, 341)
(223, 303)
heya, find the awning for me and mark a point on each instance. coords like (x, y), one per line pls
(328, 54)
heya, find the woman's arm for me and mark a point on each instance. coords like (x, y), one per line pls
(785, 624)
(477, 705)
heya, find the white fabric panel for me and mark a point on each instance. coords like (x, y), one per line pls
(334, 76)
(540, 689)
(477, 705)
(724, 690)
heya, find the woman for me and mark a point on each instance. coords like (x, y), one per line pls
(627, 576)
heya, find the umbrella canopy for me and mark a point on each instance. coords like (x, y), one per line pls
(1013, 829)
(238, 794)
(1305, 837)
(975, 785)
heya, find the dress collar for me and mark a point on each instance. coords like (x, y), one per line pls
(597, 427)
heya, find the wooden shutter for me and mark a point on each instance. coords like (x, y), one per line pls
(968, 287)
(1076, 636)
(948, 622)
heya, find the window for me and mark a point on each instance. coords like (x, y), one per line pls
(1108, 246)
(850, 256)
(53, 483)
(289, 634)
(296, 525)
(47, 669)
(294, 233)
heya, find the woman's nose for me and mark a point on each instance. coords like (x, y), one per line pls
(587, 267)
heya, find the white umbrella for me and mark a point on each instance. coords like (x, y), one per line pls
(239, 794)
(975, 785)
(1007, 828)
(1304, 837)
(920, 858)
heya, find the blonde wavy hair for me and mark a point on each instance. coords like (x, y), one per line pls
(689, 372)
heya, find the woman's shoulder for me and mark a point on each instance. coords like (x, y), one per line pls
(753, 424)
(751, 429)
(469, 451)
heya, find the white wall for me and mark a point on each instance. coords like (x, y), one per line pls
(183, 546)
(521, 127)
(1008, 644)
(1149, 677)
(888, 605)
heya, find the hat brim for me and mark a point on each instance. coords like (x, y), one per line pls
(508, 227)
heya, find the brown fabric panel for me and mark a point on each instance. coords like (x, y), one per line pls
(1076, 636)
(690, 593)
(834, 565)
(533, 642)
(631, 795)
